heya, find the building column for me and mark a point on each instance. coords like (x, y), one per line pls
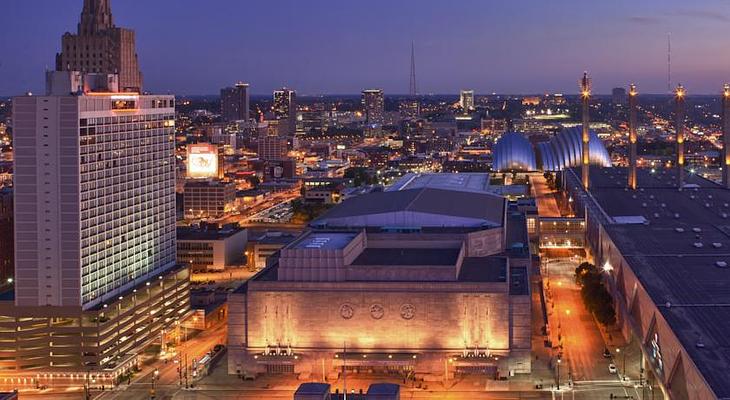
(679, 96)
(725, 158)
(632, 136)
(585, 94)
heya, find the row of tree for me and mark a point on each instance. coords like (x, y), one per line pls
(595, 295)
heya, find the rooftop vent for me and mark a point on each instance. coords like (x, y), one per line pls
(721, 264)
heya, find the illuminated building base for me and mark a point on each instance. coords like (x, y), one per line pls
(65, 345)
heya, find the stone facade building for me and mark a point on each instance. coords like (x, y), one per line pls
(101, 47)
(393, 281)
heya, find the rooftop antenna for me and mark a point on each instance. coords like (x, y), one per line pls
(413, 91)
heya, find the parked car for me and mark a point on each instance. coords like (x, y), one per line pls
(612, 368)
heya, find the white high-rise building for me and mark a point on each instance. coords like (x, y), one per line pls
(466, 100)
(94, 191)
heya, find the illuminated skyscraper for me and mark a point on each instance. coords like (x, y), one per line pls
(95, 189)
(235, 102)
(373, 104)
(466, 100)
(100, 47)
(285, 108)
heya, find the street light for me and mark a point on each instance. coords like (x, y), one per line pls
(154, 380)
(558, 365)
(623, 363)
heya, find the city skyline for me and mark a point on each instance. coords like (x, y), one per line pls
(514, 48)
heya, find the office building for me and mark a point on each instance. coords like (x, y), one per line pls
(96, 278)
(285, 110)
(204, 199)
(373, 104)
(210, 247)
(235, 102)
(618, 96)
(493, 127)
(466, 100)
(101, 47)
(401, 278)
(272, 148)
(264, 245)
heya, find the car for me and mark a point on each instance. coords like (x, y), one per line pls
(606, 353)
(612, 368)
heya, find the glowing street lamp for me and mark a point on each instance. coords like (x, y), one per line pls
(607, 267)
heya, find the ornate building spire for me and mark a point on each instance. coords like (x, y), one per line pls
(95, 17)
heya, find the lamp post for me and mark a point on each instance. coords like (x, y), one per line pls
(558, 365)
(623, 362)
(154, 381)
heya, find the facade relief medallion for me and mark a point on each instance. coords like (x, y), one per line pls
(377, 311)
(346, 311)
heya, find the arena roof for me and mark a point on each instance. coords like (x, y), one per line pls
(467, 182)
(423, 207)
(680, 255)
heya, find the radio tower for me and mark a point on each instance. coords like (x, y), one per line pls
(413, 90)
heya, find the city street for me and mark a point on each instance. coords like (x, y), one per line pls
(573, 326)
(169, 380)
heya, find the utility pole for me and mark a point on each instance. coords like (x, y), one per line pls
(344, 369)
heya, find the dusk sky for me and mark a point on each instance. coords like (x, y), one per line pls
(340, 47)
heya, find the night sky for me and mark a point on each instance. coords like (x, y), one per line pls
(342, 46)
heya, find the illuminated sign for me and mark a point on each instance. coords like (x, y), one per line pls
(202, 161)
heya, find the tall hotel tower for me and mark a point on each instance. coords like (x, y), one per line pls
(94, 190)
(96, 279)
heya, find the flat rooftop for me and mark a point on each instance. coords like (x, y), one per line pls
(468, 182)
(408, 256)
(678, 245)
(483, 269)
(324, 240)
(203, 233)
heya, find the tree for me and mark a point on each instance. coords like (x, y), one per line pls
(596, 297)
(360, 176)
